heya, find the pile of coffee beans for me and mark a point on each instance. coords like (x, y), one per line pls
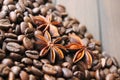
(19, 57)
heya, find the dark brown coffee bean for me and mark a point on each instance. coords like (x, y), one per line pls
(49, 5)
(113, 69)
(45, 61)
(20, 37)
(49, 69)
(4, 70)
(97, 75)
(87, 75)
(6, 2)
(11, 76)
(2, 54)
(3, 14)
(60, 79)
(13, 47)
(68, 58)
(88, 35)
(74, 68)
(102, 74)
(5, 24)
(16, 70)
(78, 74)
(92, 74)
(7, 62)
(115, 62)
(59, 70)
(27, 19)
(98, 66)
(106, 71)
(66, 65)
(32, 77)
(82, 29)
(10, 35)
(26, 61)
(110, 77)
(27, 43)
(37, 63)
(36, 10)
(67, 73)
(48, 77)
(13, 16)
(24, 75)
(11, 40)
(32, 54)
(60, 8)
(23, 26)
(109, 62)
(11, 7)
(2, 35)
(36, 71)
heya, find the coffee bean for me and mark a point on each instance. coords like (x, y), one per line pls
(115, 61)
(13, 47)
(36, 71)
(59, 70)
(49, 5)
(26, 61)
(20, 37)
(110, 77)
(5, 24)
(119, 71)
(113, 69)
(13, 16)
(48, 77)
(49, 69)
(4, 70)
(3, 14)
(32, 54)
(98, 66)
(2, 35)
(67, 73)
(37, 63)
(11, 7)
(10, 35)
(16, 70)
(109, 62)
(88, 35)
(106, 71)
(24, 75)
(27, 43)
(7, 62)
(66, 65)
(82, 29)
(11, 76)
(23, 26)
(6, 2)
(60, 79)
(74, 68)
(97, 75)
(78, 74)
(87, 75)
(45, 61)
(32, 77)
(60, 8)
(2, 54)
(36, 10)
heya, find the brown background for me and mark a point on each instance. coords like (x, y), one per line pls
(102, 18)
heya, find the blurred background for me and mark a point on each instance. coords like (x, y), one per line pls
(102, 18)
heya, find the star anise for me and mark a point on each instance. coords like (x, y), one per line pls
(82, 50)
(46, 23)
(47, 44)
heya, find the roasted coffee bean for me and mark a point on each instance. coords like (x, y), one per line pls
(119, 71)
(59, 70)
(26, 61)
(36, 71)
(4, 70)
(97, 75)
(16, 70)
(98, 66)
(2, 54)
(5, 24)
(45, 61)
(110, 77)
(106, 71)
(11, 76)
(23, 26)
(36, 10)
(32, 77)
(102, 74)
(48, 77)
(6, 2)
(66, 65)
(69, 59)
(87, 75)
(24, 75)
(49, 69)
(13, 16)
(67, 73)
(115, 62)
(82, 29)
(11, 7)
(49, 5)
(60, 8)
(92, 74)
(10, 35)
(32, 54)
(44, 10)
(60, 79)
(109, 62)
(3, 14)
(27, 19)
(79, 74)
(11, 40)
(27, 43)
(13, 47)
(113, 69)
(37, 63)
(7, 62)
(20, 37)
(103, 62)
(88, 35)
(1, 35)
(74, 68)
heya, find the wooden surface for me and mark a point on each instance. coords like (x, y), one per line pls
(102, 18)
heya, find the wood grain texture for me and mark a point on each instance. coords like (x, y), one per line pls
(110, 26)
(85, 11)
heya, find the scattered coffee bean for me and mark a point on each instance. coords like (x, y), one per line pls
(48, 77)
(24, 75)
(32, 54)
(27, 43)
(11, 76)
(16, 70)
(67, 73)
(7, 62)
(4, 70)
(26, 61)
(2, 54)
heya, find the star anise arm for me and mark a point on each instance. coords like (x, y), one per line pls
(60, 46)
(59, 52)
(39, 18)
(44, 51)
(52, 55)
(78, 56)
(73, 46)
(88, 58)
(55, 23)
(41, 38)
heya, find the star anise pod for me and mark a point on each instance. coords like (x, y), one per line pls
(46, 23)
(82, 50)
(47, 44)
